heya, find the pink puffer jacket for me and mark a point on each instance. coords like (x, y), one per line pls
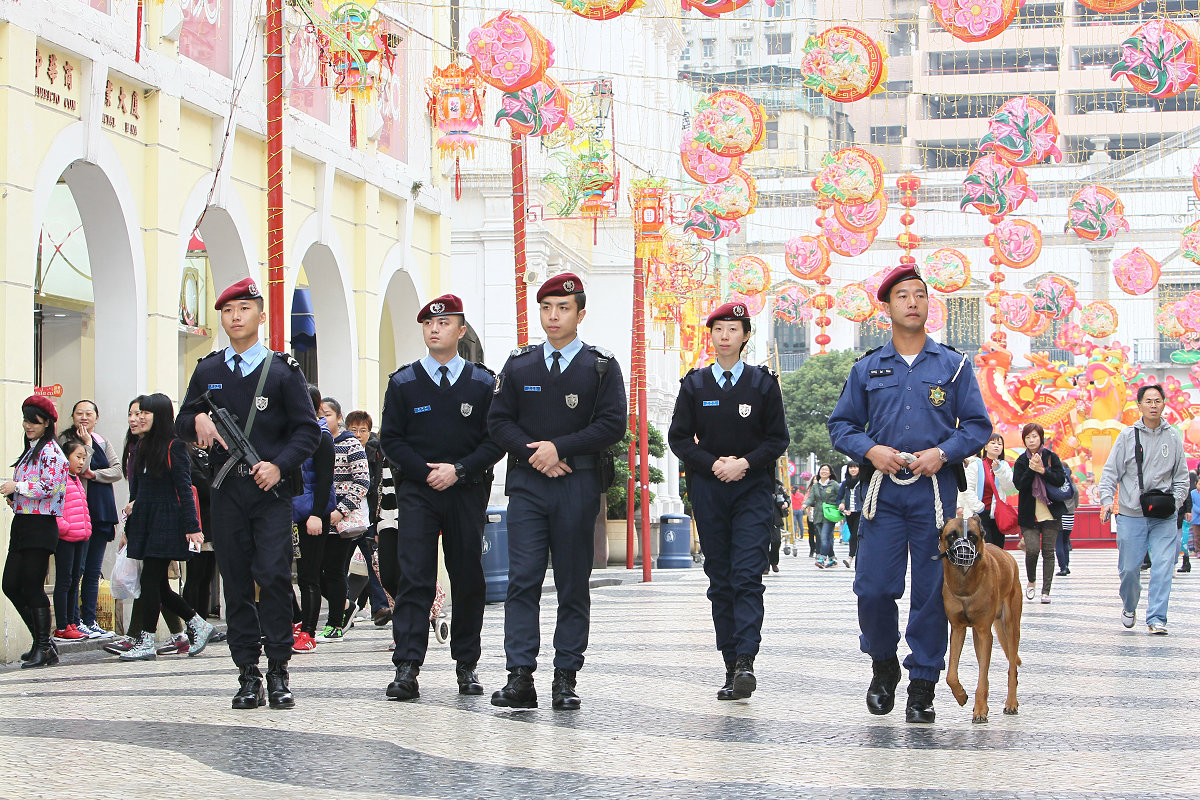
(75, 524)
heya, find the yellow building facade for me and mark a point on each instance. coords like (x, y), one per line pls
(133, 188)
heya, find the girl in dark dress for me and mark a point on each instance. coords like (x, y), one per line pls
(163, 525)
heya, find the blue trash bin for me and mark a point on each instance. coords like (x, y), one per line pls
(675, 542)
(495, 555)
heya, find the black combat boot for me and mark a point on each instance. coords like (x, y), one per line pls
(518, 692)
(881, 695)
(27, 617)
(468, 680)
(404, 685)
(44, 653)
(744, 682)
(250, 692)
(726, 691)
(278, 693)
(563, 688)
(920, 701)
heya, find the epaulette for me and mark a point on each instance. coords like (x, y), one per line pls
(520, 351)
(864, 355)
(689, 373)
(210, 355)
(482, 366)
(401, 368)
(769, 371)
(600, 351)
(287, 359)
(955, 349)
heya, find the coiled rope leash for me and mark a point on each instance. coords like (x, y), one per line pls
(871, 500)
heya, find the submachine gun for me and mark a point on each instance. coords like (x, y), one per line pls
(237, 446)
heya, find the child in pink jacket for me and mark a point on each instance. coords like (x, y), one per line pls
(74, 530)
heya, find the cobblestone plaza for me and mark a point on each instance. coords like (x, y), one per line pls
(1105, 712)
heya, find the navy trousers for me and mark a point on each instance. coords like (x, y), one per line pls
(734, 521)
(904, 526)
(459, 513)
(252, 535)
(549, 517)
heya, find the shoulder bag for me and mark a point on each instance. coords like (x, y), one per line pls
(1156, 503)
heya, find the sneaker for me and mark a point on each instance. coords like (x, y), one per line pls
(69, 634)
(94, 631)
(143, 649)
(1158, 628)
(177, 646)
(1128, 618)
(820, 564)
(1045, 598)
(331, 634)
(202, 631)
(303, 643)
(846, 563)
(120, 645)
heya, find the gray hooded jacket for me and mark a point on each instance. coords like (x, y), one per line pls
(1164, 466)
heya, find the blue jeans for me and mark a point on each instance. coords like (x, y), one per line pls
(1135, 537)
(826, 545)
(89, 592)
(68, 571)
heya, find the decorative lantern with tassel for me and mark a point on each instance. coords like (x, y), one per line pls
(456, 105)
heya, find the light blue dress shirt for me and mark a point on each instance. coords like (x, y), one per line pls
(454, 368)
(719, 372)
(567, 353)
(250, 359)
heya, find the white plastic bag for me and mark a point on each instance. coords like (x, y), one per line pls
(126, 582)
(358, 564)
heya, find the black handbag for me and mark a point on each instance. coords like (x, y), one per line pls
(1156, 503)
(1063, 492)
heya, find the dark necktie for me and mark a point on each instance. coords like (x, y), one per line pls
(237, 365)
(727, 380)
(555, 368)
(445, 383)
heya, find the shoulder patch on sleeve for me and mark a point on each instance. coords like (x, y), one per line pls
(520, 351)
(600, 351)
(767, 370)
(287, 359)
(404, 373)
(482, 366)
(864, 355)
(693, 371)
(484, 375)
(210, 355)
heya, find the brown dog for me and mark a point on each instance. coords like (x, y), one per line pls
(981, 589)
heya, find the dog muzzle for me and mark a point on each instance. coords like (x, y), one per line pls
(962, 552)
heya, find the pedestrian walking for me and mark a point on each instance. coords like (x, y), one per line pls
(162, 524)
(252, 509)
(822, 502)
(311, 508)
(364, 589)
(1035, 473)
(557, 409)
(435, 430)
(848, 504)
(35, 494)
(728, 429)
(783, 506)
(989, 480)
(909, 413)
(1147, 472)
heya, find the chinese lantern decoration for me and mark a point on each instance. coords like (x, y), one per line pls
(1054, 296)
(1022, 132)
(729, 123)
(750, 276)
(1136, 272)
(792, 304)
(851, 176)
(727, 126)
(1187, 310)
(844, 242)
(1159, 59)
(907, 240)
(733, 198)
(1095, 213)
(1189, 243)
(702, 164)
(995, 189)
(1167, 322)
(456, 106)
(754, 303)
(509, 52)
(1017, 312)
(357, 40)
(536, 110)
(1098, 319)
(844, 64)
(714, 8)
(1196, 180)
(854, 302)
(1110, 6)
(946, 270)
(1015, 242)
(938, 314)
(806, 257)
(649, 215)
(974, 20)
(600, 9)
(823, 301)
(862, 217)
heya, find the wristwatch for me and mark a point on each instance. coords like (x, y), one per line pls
(942, 453)
(460, 471)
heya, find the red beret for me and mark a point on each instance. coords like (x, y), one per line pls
(560, 286)
(244, 289)
(730, 312)
(904, 272)
(446, 304)
(42, 404)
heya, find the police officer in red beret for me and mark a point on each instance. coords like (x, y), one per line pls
(915, 396)
(728, 429)
(252, 510)
(558, 407)
(434, 432)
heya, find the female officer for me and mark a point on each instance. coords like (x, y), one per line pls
(728, 429)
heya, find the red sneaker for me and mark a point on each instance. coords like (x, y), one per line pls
(303, 643)
(69, 634)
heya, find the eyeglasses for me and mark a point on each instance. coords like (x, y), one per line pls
(1150, 402)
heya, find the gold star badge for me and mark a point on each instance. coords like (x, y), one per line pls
(937, 395)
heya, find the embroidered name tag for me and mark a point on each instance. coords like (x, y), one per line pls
(533, 388)
(712, 403)
(212, 386)
(881, 373)
(422, 409)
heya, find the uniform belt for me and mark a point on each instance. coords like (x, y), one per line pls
(586, 461)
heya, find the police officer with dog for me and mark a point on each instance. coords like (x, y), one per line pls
(251, 511)
(910, 413)
(434, 431)
(728, 429)
(558, 407)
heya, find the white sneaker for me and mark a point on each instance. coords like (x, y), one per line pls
(94, 631)
(1128, 618)
(1158, 628)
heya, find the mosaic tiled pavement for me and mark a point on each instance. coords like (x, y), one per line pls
(1105, 713)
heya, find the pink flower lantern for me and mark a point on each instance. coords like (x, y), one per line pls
(1016, 242)
(1136, 272)
(702, 164)
(791, 304)
(806, 257)
(974, 20)
(995, 189)
(1022, 132)
(1095, 213)
(1189, 243)
(1098, 319)
(1159, 59)
(850, 176)
(854, 303)
(843, 242)
(1017, 311)
(1054, 296)
(862, 217)
(938, 314)
(509, 52)
(946, 270)
(750, 276)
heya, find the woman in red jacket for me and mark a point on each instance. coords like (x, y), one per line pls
(74, 530)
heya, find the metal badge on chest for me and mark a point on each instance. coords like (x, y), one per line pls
(572, 400)
(466, 409)
(260, 403)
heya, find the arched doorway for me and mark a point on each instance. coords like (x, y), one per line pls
(334, 354)
(399, 335)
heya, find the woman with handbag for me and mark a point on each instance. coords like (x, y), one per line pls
(848, 504)
(1039, 476)
(822, 502)
(162, 523)
(989, 480)
(351, 482)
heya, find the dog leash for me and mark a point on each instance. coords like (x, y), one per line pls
(871, 499)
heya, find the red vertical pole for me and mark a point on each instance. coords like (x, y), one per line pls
(639, 369)
(631, 483)
(275, 173)
(520, 262)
